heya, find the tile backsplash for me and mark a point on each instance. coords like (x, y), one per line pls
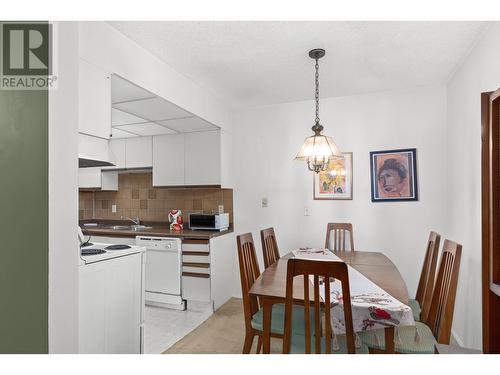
(136, 197)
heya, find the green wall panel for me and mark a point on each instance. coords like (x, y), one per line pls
(24, 221)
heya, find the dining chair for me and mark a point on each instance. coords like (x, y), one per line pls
(420, 306)
(249, 273)
(319, 340)
(339, 236)
(437, 329)
(269, 246)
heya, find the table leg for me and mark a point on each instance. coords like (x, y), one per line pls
(389, 340)
(267, 307)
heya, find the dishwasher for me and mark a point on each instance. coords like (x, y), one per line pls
(163, 271)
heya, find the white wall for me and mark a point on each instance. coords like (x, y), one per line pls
(479, 73)
(104, 46)
(266, 140)
(63, 195)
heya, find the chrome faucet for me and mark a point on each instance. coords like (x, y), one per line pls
(136, 221)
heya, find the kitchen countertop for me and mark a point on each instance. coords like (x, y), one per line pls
(157, 229)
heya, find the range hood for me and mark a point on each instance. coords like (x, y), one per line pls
(94, 152)
(87, 162)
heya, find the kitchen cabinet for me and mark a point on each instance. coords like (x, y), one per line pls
(139, 152)
(95, 178)
(202, 158)
(93, 148)
(94, 108)
(209, 268)
(207, 274)
(111, 306)
(189, 159)
(117, 154)
(168, 160)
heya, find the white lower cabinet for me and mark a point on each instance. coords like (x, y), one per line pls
(207, 272)
(111, 303)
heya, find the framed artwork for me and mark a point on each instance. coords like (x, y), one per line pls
(394, 175)
(336, 181)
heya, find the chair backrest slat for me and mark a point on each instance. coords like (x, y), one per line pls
(339, 236)
(249, 272)
(269, 246)
(442, 306)
(428, 275)
(321, 271)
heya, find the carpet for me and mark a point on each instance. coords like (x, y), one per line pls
(222, 333)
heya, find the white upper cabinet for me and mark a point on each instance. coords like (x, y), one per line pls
(94, 101)
(202, 155)
(95, 178)
(168, 160)
(139, 152)
(189, 159)
(117, 150)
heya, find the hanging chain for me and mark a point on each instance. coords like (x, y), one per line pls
(316, 95)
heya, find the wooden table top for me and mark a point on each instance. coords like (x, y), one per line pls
(375, 266)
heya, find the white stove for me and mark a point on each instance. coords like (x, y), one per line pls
(111, 298)
(97, 252)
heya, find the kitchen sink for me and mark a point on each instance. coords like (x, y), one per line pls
(129, 227)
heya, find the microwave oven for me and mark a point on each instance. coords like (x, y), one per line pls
(218, 222)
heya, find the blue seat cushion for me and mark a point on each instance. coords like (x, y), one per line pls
(278, 319)
(409, 342)
(415, 308)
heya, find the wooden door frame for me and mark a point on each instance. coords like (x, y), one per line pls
(490, 216)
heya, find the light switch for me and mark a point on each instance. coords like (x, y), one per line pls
(113, 208)
(264, 202)
(307, 211)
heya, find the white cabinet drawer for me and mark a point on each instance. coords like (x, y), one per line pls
(189, 245)
(193, 268)
(188, 258)
(196, 287)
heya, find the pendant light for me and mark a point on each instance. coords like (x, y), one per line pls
(318, 149)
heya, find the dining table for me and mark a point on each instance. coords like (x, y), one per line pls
(270, 286)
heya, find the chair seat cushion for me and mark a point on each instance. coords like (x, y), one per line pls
(407, 340)
(298, 345)
(278, 319)
(415, 308)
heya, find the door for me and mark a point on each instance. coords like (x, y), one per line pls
(490, 207)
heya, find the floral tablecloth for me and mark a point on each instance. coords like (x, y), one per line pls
(372, 307)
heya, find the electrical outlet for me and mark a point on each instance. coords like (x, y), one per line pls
(113, 208)
(264, 202)
(221, 209)
(307, 211)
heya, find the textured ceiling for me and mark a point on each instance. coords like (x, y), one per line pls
(256, 63)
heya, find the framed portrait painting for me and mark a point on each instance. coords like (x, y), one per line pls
(394, 175)
(336, 181)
